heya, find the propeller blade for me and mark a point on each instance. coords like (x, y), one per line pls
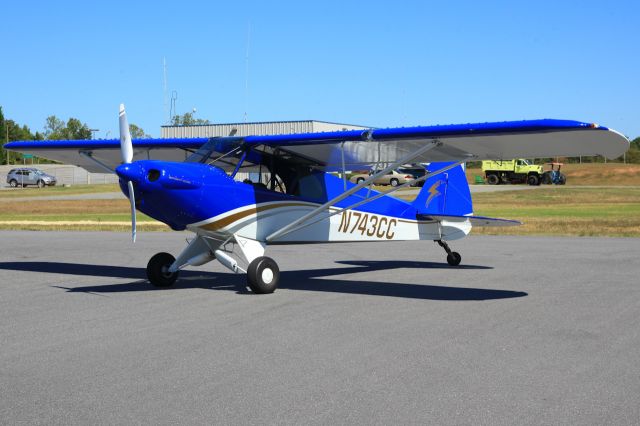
(132, 198)
(126, 147)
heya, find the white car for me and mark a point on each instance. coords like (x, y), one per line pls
(29, 176)
(393, 178)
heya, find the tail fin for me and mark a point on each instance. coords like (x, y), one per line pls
(446, 193)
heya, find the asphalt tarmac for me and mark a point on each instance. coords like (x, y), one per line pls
(525, 331)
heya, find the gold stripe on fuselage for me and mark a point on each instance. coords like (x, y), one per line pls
(254, 209)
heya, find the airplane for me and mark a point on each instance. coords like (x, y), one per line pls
(302, 194)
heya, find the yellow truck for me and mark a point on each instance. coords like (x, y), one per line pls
(512, 171)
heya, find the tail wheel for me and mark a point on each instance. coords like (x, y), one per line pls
(394, 182)
(13, 183)
(493, 179)
(454, 258)
(263, 275)
(158, 270)
(533, 180)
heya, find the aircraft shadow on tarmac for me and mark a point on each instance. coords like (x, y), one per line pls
(307, 280)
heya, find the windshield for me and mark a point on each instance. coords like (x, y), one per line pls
(213, 149)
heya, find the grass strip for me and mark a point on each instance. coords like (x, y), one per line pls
(613, 212)
(33, 191)
(566, 211)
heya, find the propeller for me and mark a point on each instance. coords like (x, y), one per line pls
(132, 198)
(126, 150)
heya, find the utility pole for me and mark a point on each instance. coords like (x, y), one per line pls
(246, 75)
(164, 91)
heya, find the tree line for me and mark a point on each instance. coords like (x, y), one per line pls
(54, 129)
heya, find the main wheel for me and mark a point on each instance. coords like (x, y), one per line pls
(13, 183)
(533, 180)
(158, 270)
(394, 182)
(263, 275)
(493, 179)
(40, 184)
(454, 258)
(359, 180)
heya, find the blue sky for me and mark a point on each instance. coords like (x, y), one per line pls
(373, 63)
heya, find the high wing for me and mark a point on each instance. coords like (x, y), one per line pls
(361, 149)
(470, 142)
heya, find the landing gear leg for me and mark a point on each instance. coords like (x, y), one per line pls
(453, 257)
(263, 273)
(163, 268)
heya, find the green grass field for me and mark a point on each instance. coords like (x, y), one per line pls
(563, 210)
(613, 212)
(546, 210)
(32, 191)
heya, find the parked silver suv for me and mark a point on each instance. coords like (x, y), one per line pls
(30, 176)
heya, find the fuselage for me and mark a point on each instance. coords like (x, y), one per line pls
(204, 199)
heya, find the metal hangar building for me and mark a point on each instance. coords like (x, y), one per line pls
(256, 128)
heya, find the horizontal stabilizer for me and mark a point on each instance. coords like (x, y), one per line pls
(475, 220)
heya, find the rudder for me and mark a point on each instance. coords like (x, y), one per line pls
(446, 193)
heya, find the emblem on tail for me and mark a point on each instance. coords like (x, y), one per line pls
(433, 192)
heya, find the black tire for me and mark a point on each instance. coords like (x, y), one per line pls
(394, 182)
(493, 179)
(454, 258)
(263, 275)
(546, 178)
(359, 180)
(13, 183)
(562, 180)
(157, 270)
(533, 180)
(40, 184)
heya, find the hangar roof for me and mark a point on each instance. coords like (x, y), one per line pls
(255, 128)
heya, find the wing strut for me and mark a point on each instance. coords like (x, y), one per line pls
(286, 229)
(375, 197)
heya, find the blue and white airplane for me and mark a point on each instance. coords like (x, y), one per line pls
(190, 184)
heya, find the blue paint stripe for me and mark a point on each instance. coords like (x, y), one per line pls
(423, 132)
